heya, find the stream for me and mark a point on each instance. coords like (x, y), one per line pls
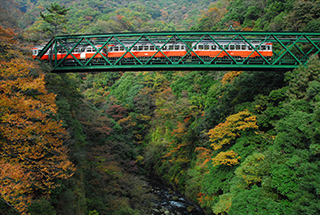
(171, 202)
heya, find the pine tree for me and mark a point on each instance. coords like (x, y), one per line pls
(56, 18)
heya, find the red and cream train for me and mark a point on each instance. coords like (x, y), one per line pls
(203, 49)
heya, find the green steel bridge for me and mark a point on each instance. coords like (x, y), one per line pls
(289, 50)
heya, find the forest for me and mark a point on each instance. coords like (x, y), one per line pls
(233, 142)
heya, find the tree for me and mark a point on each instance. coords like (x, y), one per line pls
(32, 155)
(56, 18)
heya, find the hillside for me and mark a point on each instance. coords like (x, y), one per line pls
(117, 16)
(234, 142)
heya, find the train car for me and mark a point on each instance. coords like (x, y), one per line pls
(238, 49)
(36, 50)
(80, 53)
(142, 50)
(89, 51)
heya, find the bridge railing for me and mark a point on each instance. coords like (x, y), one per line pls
(229, 50)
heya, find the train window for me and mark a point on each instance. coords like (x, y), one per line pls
(250, 47)
(206, 47)
(151, 48)
(257, 47)
(268, 48)
(111, 49)
(135, 48)
(263, 47)
(121, 48)
(89, 49)
(170, 47)
(226, 47)
(243, 47)
(213, 47)
(146, 48)
(200, 47)
(195, 48)
(176, 47)
(182, 47)
(158, 47)
(231, 47)
(140, 48)
(35, 52)
(237, 47)
(116, 48)
(164, 48)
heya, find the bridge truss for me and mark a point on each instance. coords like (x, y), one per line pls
(289, 50)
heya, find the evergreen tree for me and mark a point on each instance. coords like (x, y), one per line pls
(56, 18)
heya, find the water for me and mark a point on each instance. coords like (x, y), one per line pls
(171, 202)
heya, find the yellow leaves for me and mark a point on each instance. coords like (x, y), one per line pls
(226, 158)
(227, 131)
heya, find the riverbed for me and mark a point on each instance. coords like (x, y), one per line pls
(171, 202)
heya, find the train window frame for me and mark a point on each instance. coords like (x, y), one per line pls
(238, 47)
(232, 47)
(152, 48)
(206, 47)
(200, 47)
(135, 48)
(195, 48)
(110, 49)
(116, 48)
(213, 47)
(263, 47)
(121, 48)
(89, 49)
(158, 47)
(145, 48)
(226, 47)
(182, 47)
(269, 47)
(164, 48)
(170, 47)
(176, 47)
(257, 47)
(243, 47)
(35, 52)
(140, 48)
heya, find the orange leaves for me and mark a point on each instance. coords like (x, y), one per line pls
(226, 158)
(204, 156)
(14, 184)
(229, 77)
(6, 36)
(227, 131)
(32, 154)
(180, 131)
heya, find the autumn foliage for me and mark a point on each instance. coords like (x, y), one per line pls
(227, 131)
(32, 154)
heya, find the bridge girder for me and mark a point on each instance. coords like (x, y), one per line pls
(288, 51)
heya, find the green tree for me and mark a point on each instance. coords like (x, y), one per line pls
(56, 18)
